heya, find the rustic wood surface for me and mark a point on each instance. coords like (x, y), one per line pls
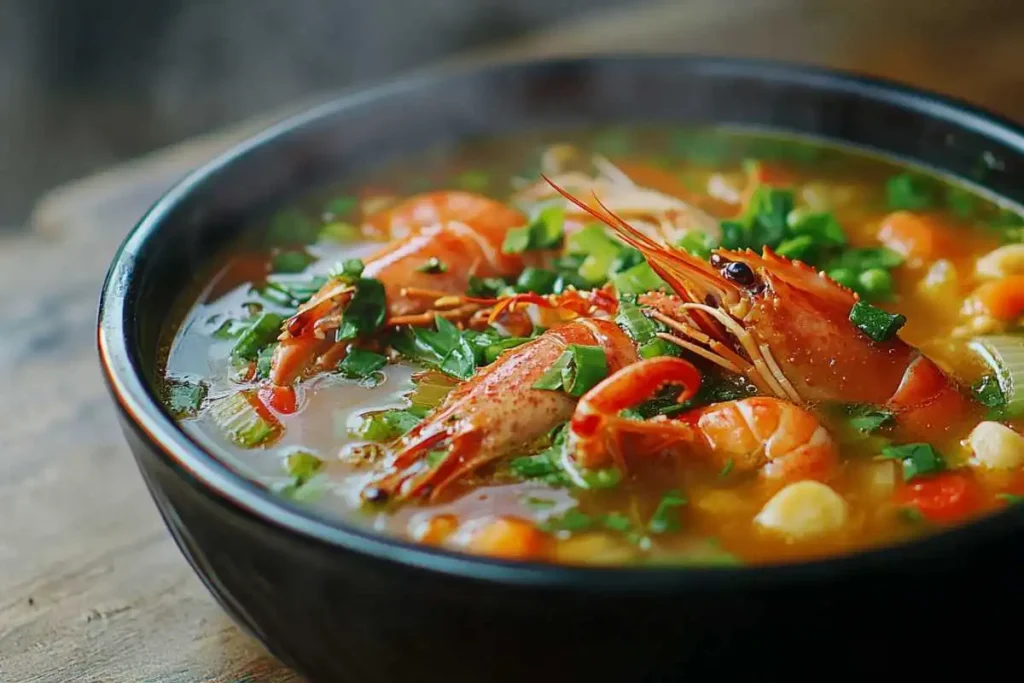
(91, 586)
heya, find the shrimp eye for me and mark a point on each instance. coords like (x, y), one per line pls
(739, 272)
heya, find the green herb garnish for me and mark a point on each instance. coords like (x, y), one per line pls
(385, 426)
(184, 398)
(366, 311)
(262, 331)
(348, 270)
(445, 348)
(880, 325)
(544, 232)
(666, 515)
(360, 363)
(917, 458)
(1011, 498)
(291, 261)
(302, 465)
(576, 371)
(488, 287)
(868, 418)
(909, 193)
(537, 280)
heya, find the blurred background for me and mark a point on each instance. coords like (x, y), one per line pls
(87, 84)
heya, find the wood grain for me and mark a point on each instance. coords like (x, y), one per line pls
(91, 586)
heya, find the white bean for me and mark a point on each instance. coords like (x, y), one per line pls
(996, 446)
(803, 510)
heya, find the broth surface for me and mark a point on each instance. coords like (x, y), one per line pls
(668, 508)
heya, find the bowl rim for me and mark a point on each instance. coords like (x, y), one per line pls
(128, 387)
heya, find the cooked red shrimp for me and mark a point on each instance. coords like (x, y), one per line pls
(787, 328)
(495, 412)
(776, 438)
(463, 231)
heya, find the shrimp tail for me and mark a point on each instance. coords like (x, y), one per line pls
(415, 476)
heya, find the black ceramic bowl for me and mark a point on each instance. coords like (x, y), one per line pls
(340, 604)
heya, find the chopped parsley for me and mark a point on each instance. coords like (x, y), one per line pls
(361, 364)
(917, 458)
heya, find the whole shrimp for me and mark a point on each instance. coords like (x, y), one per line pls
(776, 438)
(494, 413)
(463, 231)
(787, 328)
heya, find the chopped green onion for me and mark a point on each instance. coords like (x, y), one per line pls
(917, 459)
(360, 363)
(263, 330)
(572, 520)
(876, 283)
(446, 349)
(1005, 355)
(960, 201)
(544, 232)
(366, 311)
(631, 318)
(339, 231)
(340, 206)
(291, 226)
(626, 259)
(488, 287)
(878, 324)
(230, 329)
(727, 468)
(907, 192)
(263, 361)
(847, 277)
(577, 371)
(666, 515)
(1010, 498)
(243, 420)
(638, 280)
(697, 243)
(302, 465)
(184, 398)
(796, 248)
(616, 521)
(537, 280)
(868, 418)
(988, 392)
(599, 252)
(433, 266)
(821, 227)
(348, 270)
(291, 261)
(386, 425)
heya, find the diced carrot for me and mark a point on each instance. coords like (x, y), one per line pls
(436, 529)
(1003, 299)
(918, 238)
(280, 398)
(946, 497)
(510, 539)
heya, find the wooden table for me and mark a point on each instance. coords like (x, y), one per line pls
(91, 586)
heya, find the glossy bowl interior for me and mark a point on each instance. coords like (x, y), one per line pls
(208, 209)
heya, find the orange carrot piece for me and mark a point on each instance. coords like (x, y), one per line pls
(436, 529)
(509, 539)
(1003, 299)
(916, 237)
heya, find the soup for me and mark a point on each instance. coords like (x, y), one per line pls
(622, 346)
